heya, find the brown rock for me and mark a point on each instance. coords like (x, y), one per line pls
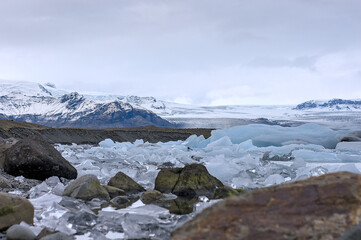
(151, 196)
(124, 182)
(316, 208)
(113, 191)
(4, 183)
(86, 187)
(191, 181)
(14, 209)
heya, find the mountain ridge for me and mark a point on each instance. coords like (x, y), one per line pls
(33, 102)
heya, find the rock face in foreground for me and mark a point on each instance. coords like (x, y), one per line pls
(37, 159)
(322, 207)
(191, 181)
(14, 209)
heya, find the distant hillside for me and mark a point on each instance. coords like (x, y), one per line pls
(334, 104)
(35, 103)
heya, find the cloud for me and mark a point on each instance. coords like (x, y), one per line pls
(234, 52)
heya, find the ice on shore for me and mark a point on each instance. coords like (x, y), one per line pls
(266, 135)
(247, 157)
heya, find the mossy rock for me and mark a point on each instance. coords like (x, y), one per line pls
(191, 181)
(151, 196)
(14, 209)
(124, 182)
(195, 180)
(180, 205)
(166, 179)
(86, 188)
(113, 191)
(225, 191)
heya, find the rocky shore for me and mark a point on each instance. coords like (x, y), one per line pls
(21, 130)
(32, 171)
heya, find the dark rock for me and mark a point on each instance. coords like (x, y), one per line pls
(124, 182)
(113, 191)
(317, 208)
(18, 232)
(86, 188)
(120, 200)
(5, 145)
(180, 205)
(191, 181)
(151, 196)
(14, 209)
(225, 191)
(353, 234)
(45, 232)
(20, 184)
(166, 179)
(58, 236)
(123, 201)
(4, 183)
(37, 159)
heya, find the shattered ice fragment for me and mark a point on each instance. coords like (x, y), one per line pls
(274, 179)
(107, 143)
(203, 199)
(318, 171)
(114, 235)
(20, 179)
(349, 168)
(298, 163)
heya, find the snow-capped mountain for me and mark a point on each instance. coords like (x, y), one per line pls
(334, 104)
(44, 104)
(47, 105)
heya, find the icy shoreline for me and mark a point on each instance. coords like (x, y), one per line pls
(245, 157)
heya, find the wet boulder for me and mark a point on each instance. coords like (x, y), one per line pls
(113, 191)
(19, 232)
(124, 182)
(166, 179)
(4, 183)
(225, 192)
(37, 159)
(191, 181)
(14, 209)
(322, 207)
(86, 188)
(151, 196)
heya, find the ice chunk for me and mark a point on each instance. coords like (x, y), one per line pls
(196, 142)
(114, 235)
(39, 190)
(298, 163)
(274, 179)
(107, 143)
(222, 168)
(266, 135)
(45, 201)
(318, 171)
(349, 168)
(219, 143)
(349, 146)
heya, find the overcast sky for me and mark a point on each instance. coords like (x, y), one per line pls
(192, 51)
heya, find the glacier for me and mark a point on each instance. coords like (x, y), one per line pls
(247, 157)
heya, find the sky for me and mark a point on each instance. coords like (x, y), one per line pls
(205, 52)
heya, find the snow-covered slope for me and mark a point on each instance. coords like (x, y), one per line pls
(44, 104)
(41, 103)
(334, 104)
